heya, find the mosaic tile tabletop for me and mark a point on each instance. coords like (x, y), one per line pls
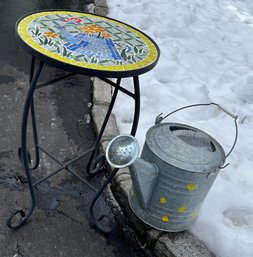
(87, 41)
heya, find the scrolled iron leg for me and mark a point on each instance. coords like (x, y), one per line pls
(137, 102)
(24, 216)
(99, 137)
(97, 221)
(35, 138)
(97, 164)
(34, 128)
(20, 155)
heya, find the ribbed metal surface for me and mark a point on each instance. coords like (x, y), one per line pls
(182, 183)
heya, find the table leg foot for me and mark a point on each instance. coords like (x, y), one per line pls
(106, 229)
(18, 218)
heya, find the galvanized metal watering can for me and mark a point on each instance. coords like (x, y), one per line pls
(177, 168)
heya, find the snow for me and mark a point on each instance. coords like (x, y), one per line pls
(206, 56)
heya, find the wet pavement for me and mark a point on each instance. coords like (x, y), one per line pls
(60, 224)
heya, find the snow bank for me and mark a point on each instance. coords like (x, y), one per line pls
(206, 56)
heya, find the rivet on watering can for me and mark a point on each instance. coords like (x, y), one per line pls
(163, 200)
(191, 187)
(182, 209)
(165, 219)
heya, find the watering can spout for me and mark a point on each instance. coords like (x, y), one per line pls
(123, 151)
(144, 176)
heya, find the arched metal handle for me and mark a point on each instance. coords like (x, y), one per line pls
(160, 118)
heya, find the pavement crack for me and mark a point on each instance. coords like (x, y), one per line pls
(68, 217)
(6, 154)
(17, 252)
(16, 182)
(21, 179)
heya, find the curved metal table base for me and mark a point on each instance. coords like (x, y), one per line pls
(95, 163)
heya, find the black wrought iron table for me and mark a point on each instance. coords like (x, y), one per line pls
(87, 44)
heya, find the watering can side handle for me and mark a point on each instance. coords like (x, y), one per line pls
(160, 118)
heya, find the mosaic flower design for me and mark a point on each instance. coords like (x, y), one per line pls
(106, 35)
(51, 34)
(92, 29)
(88, 39)
(72, 20)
